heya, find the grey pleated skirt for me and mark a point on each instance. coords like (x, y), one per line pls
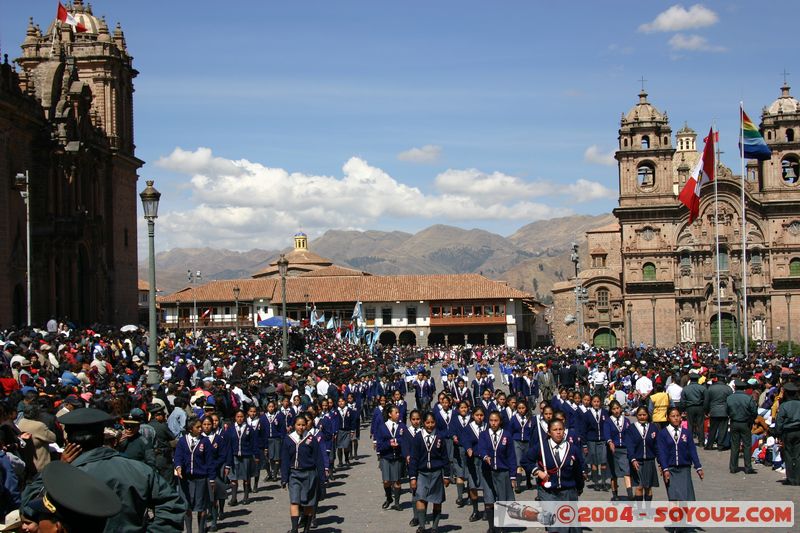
(496, 485)
(274, 448)
(618, 463)
(567, 495)
(303, 487)
(474, 473)
(430, 486)
(343, 439)
(195, 492)
(646, 476)
(680, 487)
(459, 464)
(242, 468)
(597, 452)
(519, 450)
(391, 469)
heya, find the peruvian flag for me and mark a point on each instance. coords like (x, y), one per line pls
(206, 314)
(65, 17)
(703, 173)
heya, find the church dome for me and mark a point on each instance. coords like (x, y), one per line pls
(644, 111)
(785, 104)
(83, 14)
(686, 130)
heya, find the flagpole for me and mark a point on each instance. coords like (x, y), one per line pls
(716, 231)
(745, 323)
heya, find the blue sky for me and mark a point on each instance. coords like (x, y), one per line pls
(258, 118)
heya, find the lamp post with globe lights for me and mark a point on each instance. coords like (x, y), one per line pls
(150, 198)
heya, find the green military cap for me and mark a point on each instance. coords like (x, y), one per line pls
(740, 384)
(75, 498)
(791, 387)
(85, 417)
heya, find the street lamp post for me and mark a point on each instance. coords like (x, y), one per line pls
(789, 324)
(305, 296)
(150, 198)
(236, 292)
(177, 314)
(22, 182)
(630, 325)
(194, 277)
(653, 302)
(283, 267)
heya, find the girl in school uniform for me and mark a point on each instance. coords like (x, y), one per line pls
(677, 454)
(496, 449)
(458, 465)
(389, 437)
(260, 441)
(468, 439)
(273, 424)
(378, 418)
(618, 465)
(217, 474)
(302, 472)
(241, 441)
(346, 424)
(429, 472)
(558, 467)
(400, 403)
(445, 418)
(640, 445)
(355, 409)
(594, 423)
(520, 425)
(414, 427)
(194, 464)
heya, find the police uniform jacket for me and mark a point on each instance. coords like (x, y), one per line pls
(741, 407)
(566, 474)
(501, 456)
(194, 462)
(716, 400)
(638, 447)
(693, 395)
(680, 453)
(428, 457)
(788, 418)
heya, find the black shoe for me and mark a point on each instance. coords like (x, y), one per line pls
(386, 504)
(461, 502)
(414, 522)
(732, 471)
(420, 529)
(751, 471)
(708, 448)
(724, 449)
(396, 507)
(233, 503)
(314, 523)
(246, 501)
(474, 517)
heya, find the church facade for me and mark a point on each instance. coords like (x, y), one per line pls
(651, 277)
(66, 118)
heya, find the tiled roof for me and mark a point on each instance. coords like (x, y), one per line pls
(303, 258)
(352, 288)
(333, 270)
(145, 286)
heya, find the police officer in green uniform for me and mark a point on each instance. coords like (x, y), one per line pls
(716, 408)
(71, 501)
(693, 398)
(162, 444)
(742, 411)
(787, 427)
(137, 485)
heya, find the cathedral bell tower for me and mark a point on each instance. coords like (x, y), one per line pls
(645, 156)
(780, 125)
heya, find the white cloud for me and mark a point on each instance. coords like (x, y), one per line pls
(430, 153)
(586, 191)
(678, 18)
(693, 43)
(594, 155)
(242, 204)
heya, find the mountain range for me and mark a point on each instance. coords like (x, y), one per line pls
(532, 258)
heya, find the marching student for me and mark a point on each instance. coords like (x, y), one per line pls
(468, 440)
(194, 465)
(273, 425)
(429, 472)
(241, 449)
(378, 417)
(558, 466)
(327, 429)
(459, 463)
(414, 427)
(217, 474)
(400, 403)
(520, 426)
(677, 454)
(346, 423)
(445, 423)
(462, 392)
(500, 466)
(618, 464)
(640, 445)
(486, 401)
(352, 404)
(389, 437)
(302, 472)
(596, 437)
(260, 441)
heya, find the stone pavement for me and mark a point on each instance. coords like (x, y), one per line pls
(355, 497)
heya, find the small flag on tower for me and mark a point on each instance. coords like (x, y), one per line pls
(703, 173)
(67, 18)
(752, 143)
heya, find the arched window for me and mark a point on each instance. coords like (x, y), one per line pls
(686, 260)
(790, 135)
(649, 272)
(724, 262)
(666, 141)
(645, 142)
(790, 169)
(680, 144)
(794, 267)
(646, 174)
(625, 143)
(602, 298)
(769, 135)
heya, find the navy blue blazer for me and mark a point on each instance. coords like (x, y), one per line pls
(566, 475)
(198, 462)
(641, 448)
(301, 454)
(240, 447)
(383, 440)
(500, 458)
(425, 460)
(595, 430)
(614, 433)
(681, 453)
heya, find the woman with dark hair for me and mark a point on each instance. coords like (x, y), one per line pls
(194, 465)
(677, 454)
(429, 472)
(241, 441)
(640, 446)
(302, 471)
(499, 466)
(389, 437)
(618, 465)
(520, 426)
(595, 431)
